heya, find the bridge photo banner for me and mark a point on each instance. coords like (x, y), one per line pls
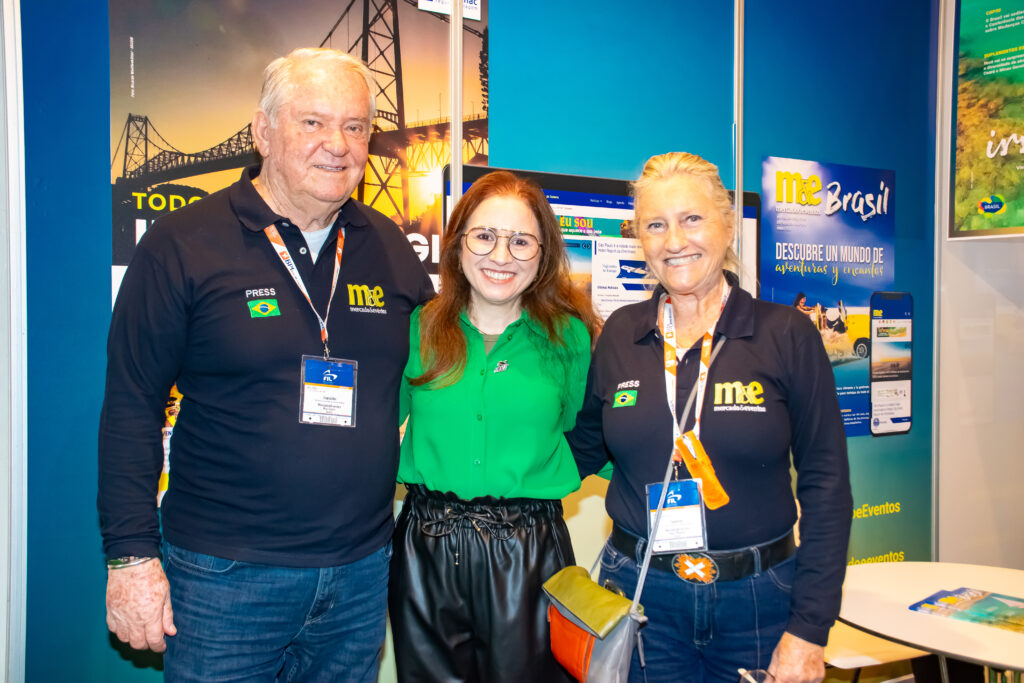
(185, 79)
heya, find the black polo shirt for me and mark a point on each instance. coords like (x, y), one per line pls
(248, 481)
(770, 391)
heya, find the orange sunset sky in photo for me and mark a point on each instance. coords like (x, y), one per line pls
(198, 67)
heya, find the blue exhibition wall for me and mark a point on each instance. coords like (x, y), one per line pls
(596, 88)
(589, 88)
(854, 83)
(67, 156)
(835, 82)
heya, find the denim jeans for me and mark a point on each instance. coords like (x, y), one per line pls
(239, 621)
(704, 632)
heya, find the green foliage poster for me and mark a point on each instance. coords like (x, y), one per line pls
(988, 194)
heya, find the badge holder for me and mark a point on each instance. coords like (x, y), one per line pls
(681, 500)
(682, 525)
(685, 532)
(328, 393)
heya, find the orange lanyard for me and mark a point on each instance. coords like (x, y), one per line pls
(289, 263)
(668, 331)
(698, 464)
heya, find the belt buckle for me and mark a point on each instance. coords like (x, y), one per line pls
(695, 568)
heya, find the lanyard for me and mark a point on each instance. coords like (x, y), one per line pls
(668, 331)
(286, 258)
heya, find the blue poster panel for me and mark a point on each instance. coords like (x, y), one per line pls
(826, 245)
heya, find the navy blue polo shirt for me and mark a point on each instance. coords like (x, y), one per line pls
(770, 392)
(248, 481)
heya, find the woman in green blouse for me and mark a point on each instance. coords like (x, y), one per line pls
(496, 373)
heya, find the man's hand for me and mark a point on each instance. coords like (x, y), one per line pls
(796, 660)
(139, 606)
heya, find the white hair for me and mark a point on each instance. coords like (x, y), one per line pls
(278, 76)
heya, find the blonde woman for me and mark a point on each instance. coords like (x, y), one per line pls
(762, 387)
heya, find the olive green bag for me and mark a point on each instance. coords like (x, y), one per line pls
(593, 629)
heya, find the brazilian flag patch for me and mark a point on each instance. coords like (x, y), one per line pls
(624, 398)
(263, 308)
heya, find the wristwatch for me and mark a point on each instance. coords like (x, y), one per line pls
(126, 561)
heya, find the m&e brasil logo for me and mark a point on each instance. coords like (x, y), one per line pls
(791, 187)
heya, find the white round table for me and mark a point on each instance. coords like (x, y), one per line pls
(877, 599)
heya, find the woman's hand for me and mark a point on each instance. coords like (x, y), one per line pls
(796, 660)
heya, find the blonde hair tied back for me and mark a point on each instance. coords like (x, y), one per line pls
(672, 164)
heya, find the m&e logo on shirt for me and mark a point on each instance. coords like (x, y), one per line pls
(737, 396)
(263, 308)
(728, 393)
(366, 299)
(363, 295)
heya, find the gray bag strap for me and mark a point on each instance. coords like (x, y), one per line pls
(664, 491)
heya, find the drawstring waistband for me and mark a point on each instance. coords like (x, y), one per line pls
(482, 519)
(441, 514)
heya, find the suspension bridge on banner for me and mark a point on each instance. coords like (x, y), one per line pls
(398, 148)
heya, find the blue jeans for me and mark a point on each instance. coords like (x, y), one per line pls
(704, 632)
(239, 621)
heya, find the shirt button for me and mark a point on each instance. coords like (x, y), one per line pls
(482, 372)
(285, 224)
(302, 250)
(479, 418)
(476, 462)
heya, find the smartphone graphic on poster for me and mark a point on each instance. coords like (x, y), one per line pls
(892, 366)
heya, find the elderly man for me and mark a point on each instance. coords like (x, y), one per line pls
(280, 307)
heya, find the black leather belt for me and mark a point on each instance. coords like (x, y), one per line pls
(710, 566)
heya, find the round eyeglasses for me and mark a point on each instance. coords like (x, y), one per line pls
(521, 245)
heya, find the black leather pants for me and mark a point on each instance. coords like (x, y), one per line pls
(465, 590)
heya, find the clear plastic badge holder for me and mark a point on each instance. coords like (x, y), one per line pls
(328, 391)
(682, 526)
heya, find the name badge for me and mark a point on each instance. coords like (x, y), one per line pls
(682, 517)
(328, 395)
